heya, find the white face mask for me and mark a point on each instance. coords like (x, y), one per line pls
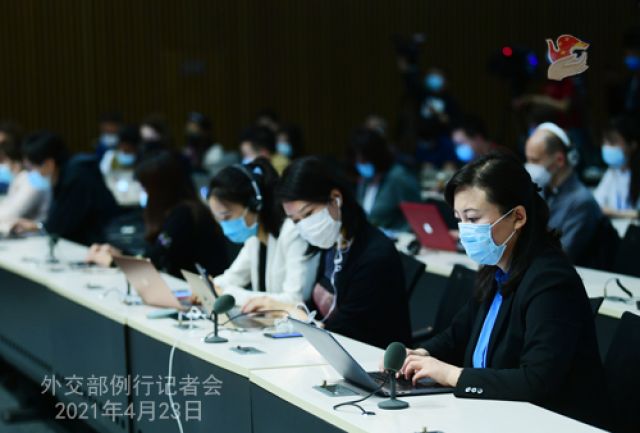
(320, 229)
(539, 174)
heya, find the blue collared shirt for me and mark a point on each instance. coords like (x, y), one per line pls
(480, 352)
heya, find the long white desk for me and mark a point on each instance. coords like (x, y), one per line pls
(444, 413)
(87, 330)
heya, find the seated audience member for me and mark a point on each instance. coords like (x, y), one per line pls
(261, 141)
(471, 139)
(124, 156)
(154, 134)
(24, 199)
(618, 193)
(573, 210)
(359, 289)
(201, 149)
(383, 184)
(109, 124)
(179, 229)
(289, 142)
(81, 206)
(274, 262)
(529, 333)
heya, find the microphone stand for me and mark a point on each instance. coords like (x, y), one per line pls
(215, 338)
(392, 403)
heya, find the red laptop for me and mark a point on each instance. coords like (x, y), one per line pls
(429, 226)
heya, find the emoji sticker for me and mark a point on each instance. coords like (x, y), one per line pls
(568, 57)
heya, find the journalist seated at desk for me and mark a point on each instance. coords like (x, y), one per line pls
(359, 288)
(81, 205)
(529, 333)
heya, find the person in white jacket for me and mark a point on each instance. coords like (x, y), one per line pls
(26, 197)
(275, 264)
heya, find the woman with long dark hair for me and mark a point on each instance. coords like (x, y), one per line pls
(359, 289)
(529, 333)
(274, 262)
(179, 229)
(618, 193)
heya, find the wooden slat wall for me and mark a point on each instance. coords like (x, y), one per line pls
(321, 63)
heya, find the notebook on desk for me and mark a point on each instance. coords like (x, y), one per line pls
(326, 344)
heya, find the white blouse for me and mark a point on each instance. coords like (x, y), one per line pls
(613, 190)
(23, 201)
(290, 272)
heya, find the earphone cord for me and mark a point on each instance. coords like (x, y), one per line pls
(337, 267)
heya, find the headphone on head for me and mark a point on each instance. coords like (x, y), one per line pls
(572, 154)
(255, 202)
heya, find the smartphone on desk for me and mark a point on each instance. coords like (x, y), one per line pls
(278, 335)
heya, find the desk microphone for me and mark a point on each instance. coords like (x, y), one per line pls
(394, 358)
(223, 304)
(53, 241)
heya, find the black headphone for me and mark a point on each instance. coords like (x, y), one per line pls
(255, 202)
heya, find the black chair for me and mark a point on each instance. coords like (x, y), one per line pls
(627, 261)
(623, 376)
(412, 269)
(601, 251)
(458, 290)
(595, 305)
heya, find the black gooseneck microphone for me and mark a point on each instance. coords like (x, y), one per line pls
(394, 358)
(223, 304)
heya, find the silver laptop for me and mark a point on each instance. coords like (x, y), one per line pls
(326, 344)
(207, 296)
(145, 278)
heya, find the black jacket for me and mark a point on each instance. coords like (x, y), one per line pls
(372, 302)
(82, 205)
(542, 348)
(189, 235)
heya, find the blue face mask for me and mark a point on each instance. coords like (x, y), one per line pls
(478, 242)
(6, 175)
(613, 156)
(38, 181)
(144, 199)
(109, 140)
(464, 152)
(125, 159)
(434, 82)
(237, 231)
(284, 148)
(367, 170)
(633, 62)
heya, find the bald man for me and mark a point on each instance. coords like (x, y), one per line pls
(573, 209)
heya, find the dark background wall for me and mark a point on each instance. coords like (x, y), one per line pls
(324, 64)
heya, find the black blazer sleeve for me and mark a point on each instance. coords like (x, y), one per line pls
(552, 328)
(372, 304)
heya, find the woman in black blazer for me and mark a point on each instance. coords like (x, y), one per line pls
(359, 290)
(529, 333)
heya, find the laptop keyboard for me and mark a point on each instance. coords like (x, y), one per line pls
(402, 384)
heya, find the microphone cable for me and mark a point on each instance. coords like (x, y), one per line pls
(168, 386)
(360, 400)
(622, 287)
